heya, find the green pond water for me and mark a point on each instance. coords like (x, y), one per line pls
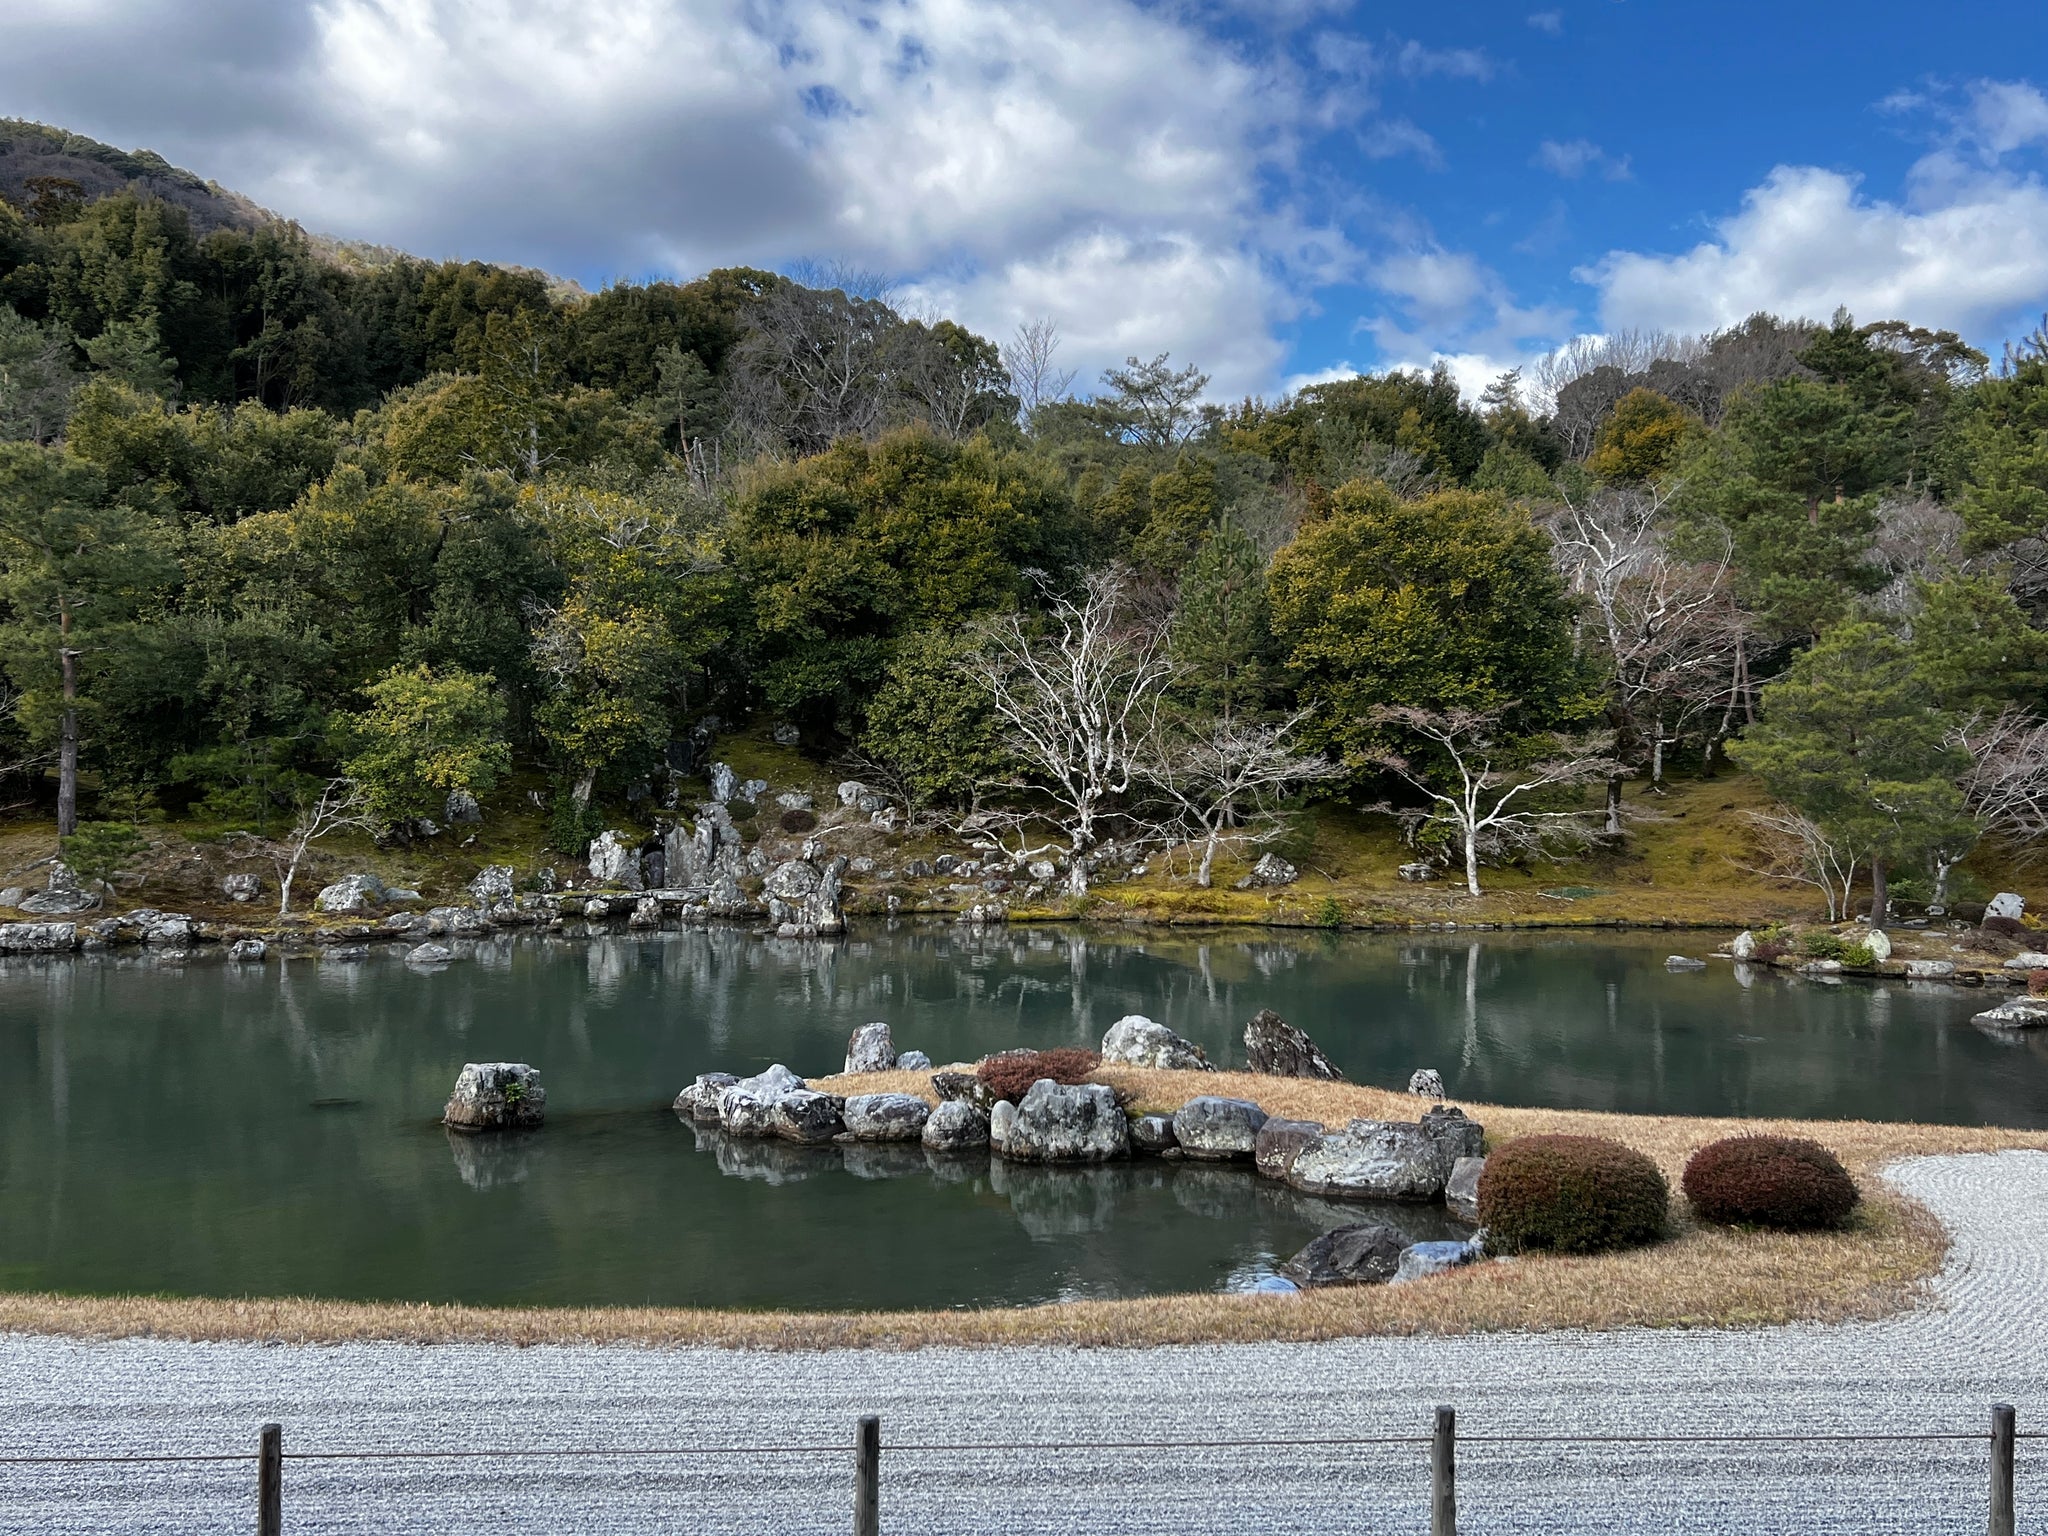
(272, 1130)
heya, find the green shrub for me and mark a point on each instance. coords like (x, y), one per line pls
(1010, 1075)
(1822, 945)
(1571, 1194)
(742, 810)
(1769, 1181)
(1858, 957)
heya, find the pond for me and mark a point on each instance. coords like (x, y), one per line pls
(271, 1129)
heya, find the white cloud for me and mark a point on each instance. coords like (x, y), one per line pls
(1573, 158)
(1548, 21)
(1390, 137)
(2006, 115)
(1807, 240)
(1418, 62)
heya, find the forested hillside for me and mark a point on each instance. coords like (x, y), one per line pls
(273, 515)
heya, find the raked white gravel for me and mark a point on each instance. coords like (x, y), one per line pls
(1936, 1369)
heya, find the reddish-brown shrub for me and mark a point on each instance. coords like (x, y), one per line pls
(1010, 1075)
(799, 821)
(2004, 927)
(1571, 1194)
(1769, 1181)
(2037, 983)
(1768, 950)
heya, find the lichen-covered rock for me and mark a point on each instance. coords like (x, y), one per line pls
(886, 1116)
(1372, 1160)
(248, 949)
(1454, 1133)
(646, 913)
(856, 796)
(1136, 1041)
(241, 887)
(352, 893)
(494, 887)
(964, 1088)
(61, 894)
(1061, 1123)
(1683, 963)
(1421, 1260)
(461, 809)
(1364, 1254)
(1275, 1048)
(38, 938)
(1879, 943)
(496, 1096)
(1426, 1083)
(614, 862)
(1280, 1142)
(1212, 1127)
(1461, 1189)
(913, 1061)
(804, 1115)
(1153, 1134)
(1270, 870)
(955, 1126)
(2019, 1013)
(1743, 946)
(429, 954)
(699, 1101)
(871, 1048)
(806, 896)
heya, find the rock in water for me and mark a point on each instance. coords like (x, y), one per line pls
(1421, 1260)
(1280, 1142)
(242, 887)
(1057, 1123)
(430, 954)
(1211, 1127)
(955, 1126)
(1426, 1083)
(1153, 1134)
(1372, 1160)
(806, 1116)
(1683, 963)
(614, 863)
(38, 938)
(1744, 946)
(871, 1049)
(1138, 1042)
(699, 1101)
(886, 1116)
(1364, 1254)
(1275, 1048)
(248, 949)
(496, 1096)
(1461, 1189)
(2019, 1013)
(353, 893)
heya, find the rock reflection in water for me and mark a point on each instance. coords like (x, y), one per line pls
(884, 1159)
(492, 1159)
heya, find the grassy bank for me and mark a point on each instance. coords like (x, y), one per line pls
(1701, 1277)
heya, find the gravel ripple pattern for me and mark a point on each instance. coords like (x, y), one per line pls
(1938, 1369)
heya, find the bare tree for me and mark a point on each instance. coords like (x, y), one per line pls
(1077, 704)
(814, 366)
(1671, 632)
(2005, 788)
(1036, 378)
(1795, 847)
(952, 377)
(342, 806)
(1482, 789)
(1224, 783)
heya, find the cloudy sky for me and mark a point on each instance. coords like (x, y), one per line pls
(1277, 190)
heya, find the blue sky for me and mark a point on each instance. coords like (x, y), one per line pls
(1276, 191)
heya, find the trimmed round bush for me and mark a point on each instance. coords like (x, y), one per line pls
(1010, 1075)
(742, 810)
(799, 821)
(1571, 1194)
(1769, 1181)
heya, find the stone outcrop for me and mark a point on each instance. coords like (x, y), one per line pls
(886, 1116)
(614, 862)
(1280, 1142)
(1154, 1135)
(699, 1101)
(1364, 1254)
(1211, 1127)
(1136, 1041)
(871, 1048)
(241, 887)
(1275, 1048)
(1461, 1189)
(1372, 1160)
(1454, 1133)
(955, 1126)
(1270, 870)
(1426, 1083)
(864, 798)
(248, 949)
(496, 1096)
(804, 1115)
(805, 896)
(351, 893)
(61, 895)
(2019, 1013)
(38, 938)
(964, 1088)
(460, 809)
(494, 887)
(1061, 1123)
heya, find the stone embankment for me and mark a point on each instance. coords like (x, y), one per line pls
(1436, 1158)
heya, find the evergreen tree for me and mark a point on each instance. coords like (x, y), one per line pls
(1223, 631)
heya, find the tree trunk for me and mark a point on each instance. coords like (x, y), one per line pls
(581, 791)
(1657, 760)
(1471, 862)
(284, 883)
(1880, 894)
(1614, 805)
(67, 743)
(1208, 860)
(1942, 866)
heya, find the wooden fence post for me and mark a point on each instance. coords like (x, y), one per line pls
(270, 1481)
(1443, 1475)
(867, 1477)
(2001, 1469)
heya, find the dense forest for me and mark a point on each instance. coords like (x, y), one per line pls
(274, 514)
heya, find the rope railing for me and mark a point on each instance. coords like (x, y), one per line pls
(1443, 1440)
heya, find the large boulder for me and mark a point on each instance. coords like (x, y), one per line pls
(1461, 1189)
(956, 1126)
(1372, 1160)
(1743, 946)
(1209, 1126)
(1270, 870)
(351, 893)
(1455, 1134)
(1275, 1048)
(1136, 1041)
(494, 887)
(2018, 1013)
(2010, 904)
(248, 949)
(1421, 1260)
(241, 887)
(913, 1061)
(886, 1116)
(805, 896)
(1280, 1142)
(1153, 1134)
(496, 1096)
(61, 895)
(1879, 943)
(871, 1048)
(963, 1088)
(615, 862)
(38, 938)
(699, 1101)
(747, 1107)
(1061, 1123)
(856, 796)
(1364, 1254)
(804, 1115)
(461, 809)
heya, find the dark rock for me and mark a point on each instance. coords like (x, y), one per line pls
(1455, 1133)
(1153, 1134)
(886, 1116)
(964, 1088)
(804, 1115)
(1209, 1126)
(496, 1096)
(699, 1101)
(1364, 1254)
(1461, 1189)
(1279, 1142)
(1372, 1160)
(956, 1126)
(1275, 1048)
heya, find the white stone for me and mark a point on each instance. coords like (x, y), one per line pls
(614, 862)
(1138, 1042)
(2006, 904)
(2027, 960)
(1879, 943)
(1744, 947)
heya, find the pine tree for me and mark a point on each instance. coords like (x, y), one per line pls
(1223, 632)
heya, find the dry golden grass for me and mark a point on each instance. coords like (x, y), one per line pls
(1702, 1277)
